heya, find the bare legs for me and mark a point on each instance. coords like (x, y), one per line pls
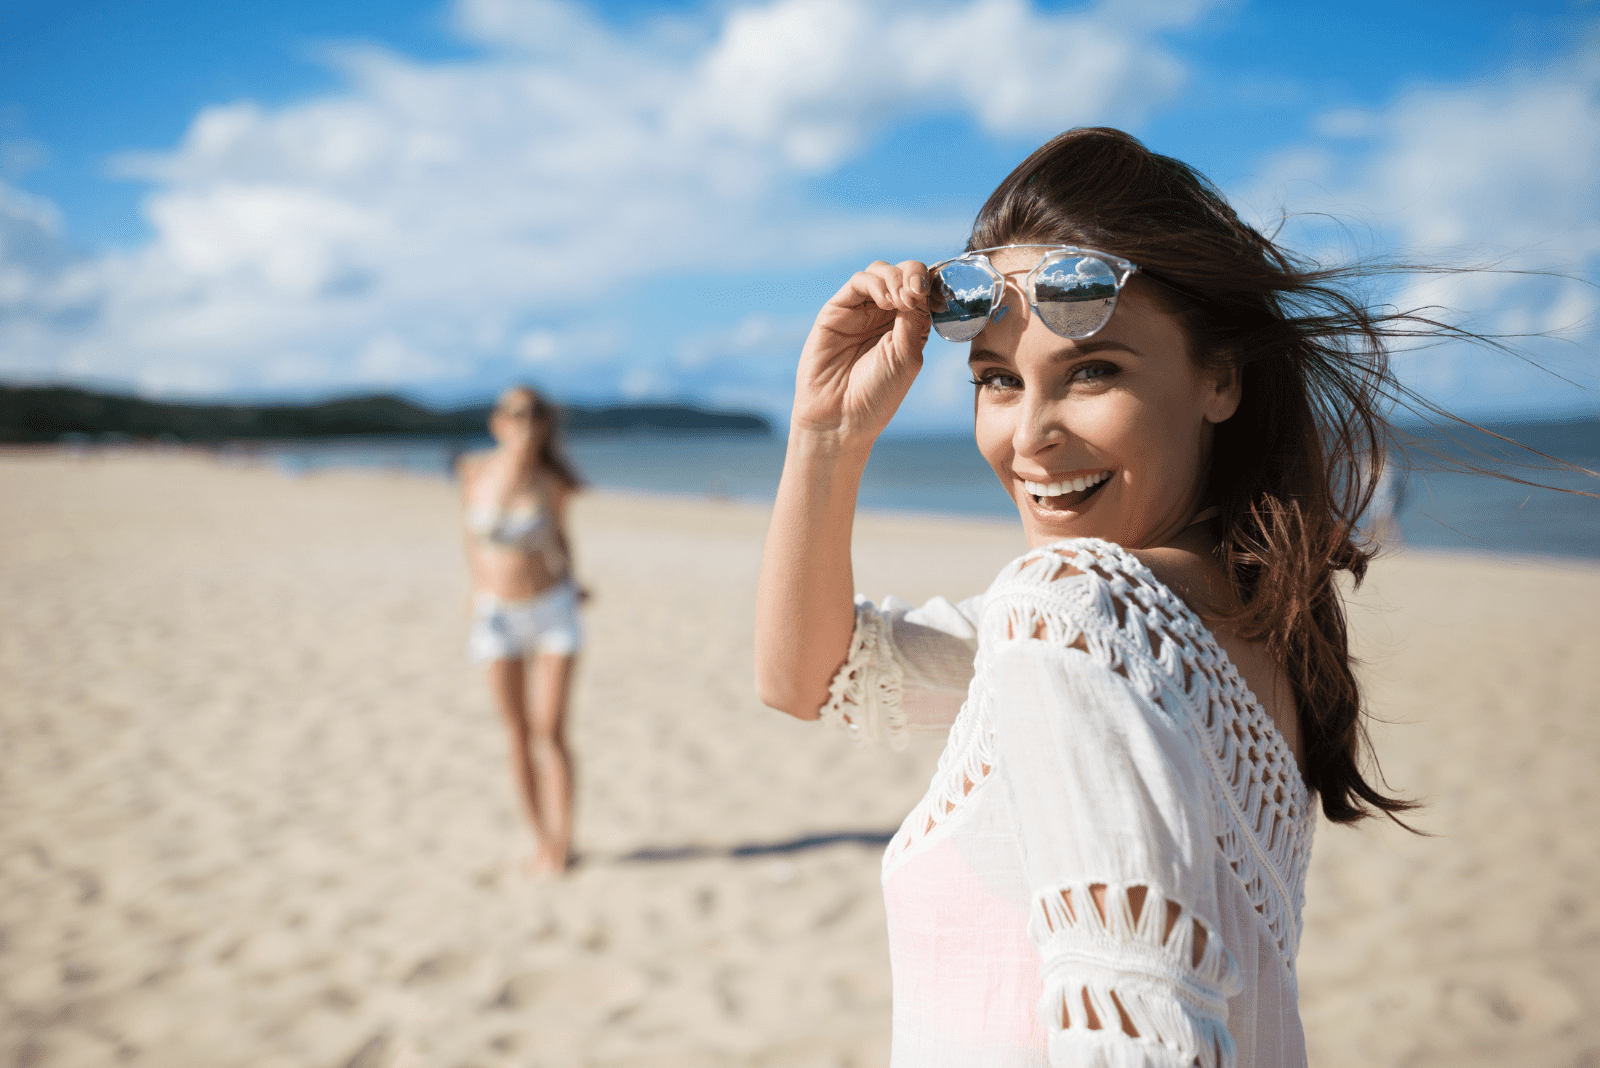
(552, 683)
(541, 763)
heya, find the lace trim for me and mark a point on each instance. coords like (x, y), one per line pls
(1131, 978)
(867, 692)
(1124, 618)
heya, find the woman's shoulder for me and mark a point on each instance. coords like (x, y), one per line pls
(1078, 586)
(1067, 563)
(1167, 573)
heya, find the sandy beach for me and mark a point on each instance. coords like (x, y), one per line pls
(257, 810)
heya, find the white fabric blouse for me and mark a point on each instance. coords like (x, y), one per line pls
(1109, 865)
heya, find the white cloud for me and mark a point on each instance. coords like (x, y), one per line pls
(391, 360)
(817, 77)
(30, 234)
(1348, 122)
(1499, 172)
(49, 294)
(20, 155)
(460, 207)
(588, 343)
(758, 335)
(538, 346)
(644, 383)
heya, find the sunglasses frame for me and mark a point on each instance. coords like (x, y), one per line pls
(1121, 271)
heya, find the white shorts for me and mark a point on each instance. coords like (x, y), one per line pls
(510, 630)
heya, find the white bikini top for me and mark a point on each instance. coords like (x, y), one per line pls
(526, 528)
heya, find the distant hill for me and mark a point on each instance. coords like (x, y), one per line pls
(625, 417)
(47, 414)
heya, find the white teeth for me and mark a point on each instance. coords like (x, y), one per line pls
(1071, 485)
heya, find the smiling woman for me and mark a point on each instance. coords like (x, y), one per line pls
(1108, 866)
(1119, 424)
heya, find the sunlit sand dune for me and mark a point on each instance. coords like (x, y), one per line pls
(256, 808)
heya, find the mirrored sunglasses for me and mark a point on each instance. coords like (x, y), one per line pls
(1072, 290)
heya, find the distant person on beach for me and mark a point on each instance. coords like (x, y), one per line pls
(1146, 710)
(525, 605)
(1382, 523)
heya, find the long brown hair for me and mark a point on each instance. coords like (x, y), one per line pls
(552, 457)
(1296, 466)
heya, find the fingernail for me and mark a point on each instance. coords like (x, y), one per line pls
(919, 283)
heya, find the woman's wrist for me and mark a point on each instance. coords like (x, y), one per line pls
(829, 446)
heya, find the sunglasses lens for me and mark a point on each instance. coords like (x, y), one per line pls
(961, 300)
(1075, 295)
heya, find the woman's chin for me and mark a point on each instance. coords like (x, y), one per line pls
(1072, 515)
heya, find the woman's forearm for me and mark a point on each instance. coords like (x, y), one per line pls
(805, 604)
(861, 357)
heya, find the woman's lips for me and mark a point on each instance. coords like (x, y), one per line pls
(1068, 494)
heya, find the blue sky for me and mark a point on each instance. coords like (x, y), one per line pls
(646, 200)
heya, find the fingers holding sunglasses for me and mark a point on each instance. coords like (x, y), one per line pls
(872, 286)
(914, 284)
(901, 289)
(912, 324)
(896, 287)
(871, 303)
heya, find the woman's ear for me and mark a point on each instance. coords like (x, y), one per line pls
(1225, 389)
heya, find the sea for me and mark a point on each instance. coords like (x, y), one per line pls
(1438, 508)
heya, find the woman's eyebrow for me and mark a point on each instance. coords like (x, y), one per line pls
(1082, 349)
(986, 356)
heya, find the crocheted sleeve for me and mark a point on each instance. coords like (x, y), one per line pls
(907, 669)
(1115, 819)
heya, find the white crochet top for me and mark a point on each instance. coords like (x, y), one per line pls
(1109, 865)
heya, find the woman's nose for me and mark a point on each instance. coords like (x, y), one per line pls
(1040, 428)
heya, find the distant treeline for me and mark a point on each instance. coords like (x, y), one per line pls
(48, 414)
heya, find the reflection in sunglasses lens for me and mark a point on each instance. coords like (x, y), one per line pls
(962, 297)
(1075, 295)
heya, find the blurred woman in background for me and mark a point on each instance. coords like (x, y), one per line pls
(525, 605)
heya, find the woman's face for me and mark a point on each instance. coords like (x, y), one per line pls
(517, 421)
(1107, 437)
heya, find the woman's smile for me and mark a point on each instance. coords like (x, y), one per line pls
(1066, 492)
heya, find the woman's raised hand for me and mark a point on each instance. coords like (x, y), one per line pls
(862, 356)
(863, 353)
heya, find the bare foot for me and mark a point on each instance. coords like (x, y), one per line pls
(554, 860)
(545, 863)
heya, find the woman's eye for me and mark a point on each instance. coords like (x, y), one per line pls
(1091, 372)
(997, 380)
